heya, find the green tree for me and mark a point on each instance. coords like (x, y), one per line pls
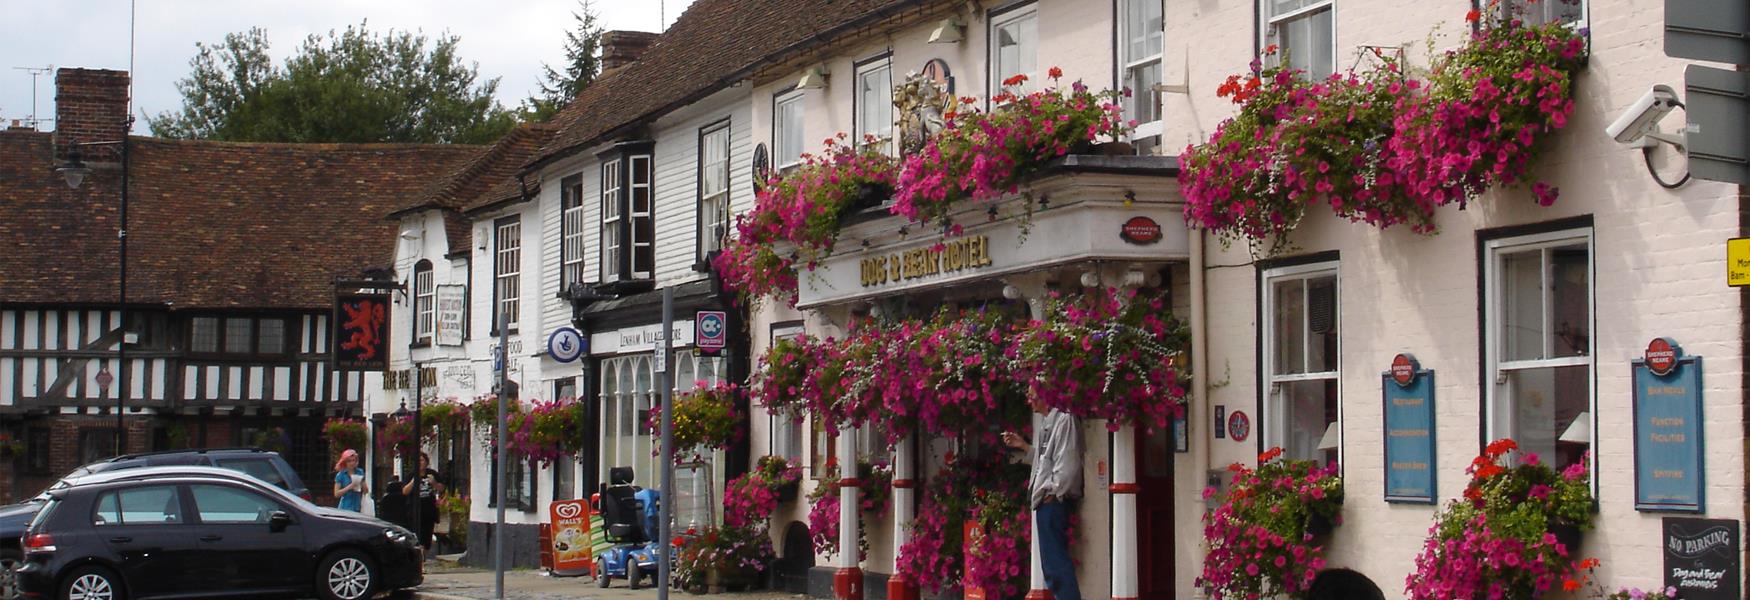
(349, 86)
(582, 66)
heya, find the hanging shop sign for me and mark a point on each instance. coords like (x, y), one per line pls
(951, 256)
(713, 330)
(1702, 558)
(359, 326)
(566, 345)
(571, 543)
(1407, 391)
(1140, 230)
(1668, 441)
(452, 300)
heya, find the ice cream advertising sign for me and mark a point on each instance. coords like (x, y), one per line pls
(571, 547)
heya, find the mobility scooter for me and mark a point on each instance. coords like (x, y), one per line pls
(629, 517)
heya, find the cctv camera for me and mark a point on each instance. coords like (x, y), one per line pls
(1642, 118)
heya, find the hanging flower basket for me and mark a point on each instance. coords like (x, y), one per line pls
(345, 434)
(704, 420)
(10, 448)
(1262, 538)
(1500, 538)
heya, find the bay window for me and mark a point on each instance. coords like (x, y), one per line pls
(1538, 347)
(874, 105)
(1014, 48)
(1301, 410)
(713, 189)
(570, 231)
(611, 220)
(1139, 47)
(787, 129)
(628, 222)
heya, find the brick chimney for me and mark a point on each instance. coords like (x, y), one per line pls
(91, 105)
(620, 48)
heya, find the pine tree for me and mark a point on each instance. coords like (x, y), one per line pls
(582, 66)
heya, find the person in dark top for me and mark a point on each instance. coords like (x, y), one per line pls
(426, 504)
(392, 505)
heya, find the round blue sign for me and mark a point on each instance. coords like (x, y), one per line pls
(566, 344)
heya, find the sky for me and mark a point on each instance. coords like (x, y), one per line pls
(507, 39)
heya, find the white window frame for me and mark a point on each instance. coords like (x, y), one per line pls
(1268, 35)
(642, 177)
(997, 71)
(1129, 65)
(714, 149)
(424, 301)
(1275, 405)
(571, 231)
(880, 95)
(1497, 395)
(783, 156)
(507, 269)
(613, 245)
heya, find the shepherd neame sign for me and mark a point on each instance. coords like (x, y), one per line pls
(954, 255)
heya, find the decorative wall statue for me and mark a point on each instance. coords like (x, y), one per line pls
(921, 101)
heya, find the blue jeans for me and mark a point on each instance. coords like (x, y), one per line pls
(1060, 573)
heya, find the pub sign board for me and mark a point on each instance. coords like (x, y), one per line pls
(1668, 438)
(1408, 393)
(1702, 557)
(359, 328)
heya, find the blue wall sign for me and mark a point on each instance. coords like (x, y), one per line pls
(1408, 392)
(566, 345)
(1668, 442)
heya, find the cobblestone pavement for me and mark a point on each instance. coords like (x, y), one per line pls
(446, 581)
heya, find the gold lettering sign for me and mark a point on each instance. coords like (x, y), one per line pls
(955, 255)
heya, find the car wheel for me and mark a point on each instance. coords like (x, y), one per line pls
(633, 575)
(346, 575)
(92, 583)
(9, 563)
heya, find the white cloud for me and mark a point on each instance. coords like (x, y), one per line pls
(508, 39)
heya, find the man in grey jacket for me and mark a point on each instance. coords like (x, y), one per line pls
(1055, 482)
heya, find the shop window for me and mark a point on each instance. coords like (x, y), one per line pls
(693, 496)
(565, 478)
(1301, 407)
(627, 389)
(36, 454)
(825, 454)
(96, 444)
(507, 267)
(1538, 349)
(713, 189)
(787, 439)
(1139, 48)
(874, 100)
(1014, 48)
(787, 129)
(520, 493)
(424, 302)
(571, 231)
(1304, 32)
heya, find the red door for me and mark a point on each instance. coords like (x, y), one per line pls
(1154, 514)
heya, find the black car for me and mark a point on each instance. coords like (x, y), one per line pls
(183, 536)
(264, 465)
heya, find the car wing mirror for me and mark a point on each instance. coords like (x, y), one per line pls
(278, 521)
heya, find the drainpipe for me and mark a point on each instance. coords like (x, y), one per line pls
(1198, 411)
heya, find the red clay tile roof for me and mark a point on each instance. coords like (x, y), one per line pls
(480, 181)
(211, 224)
(712, 45)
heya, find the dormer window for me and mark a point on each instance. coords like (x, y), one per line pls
(628, 228)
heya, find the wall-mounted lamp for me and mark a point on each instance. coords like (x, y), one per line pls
(949, 31)
(813, 79)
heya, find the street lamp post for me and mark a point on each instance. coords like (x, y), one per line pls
(74, 172)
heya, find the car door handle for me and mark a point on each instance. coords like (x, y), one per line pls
(212, 538)
(120, 539)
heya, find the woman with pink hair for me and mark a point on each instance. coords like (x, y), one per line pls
(349, 481)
